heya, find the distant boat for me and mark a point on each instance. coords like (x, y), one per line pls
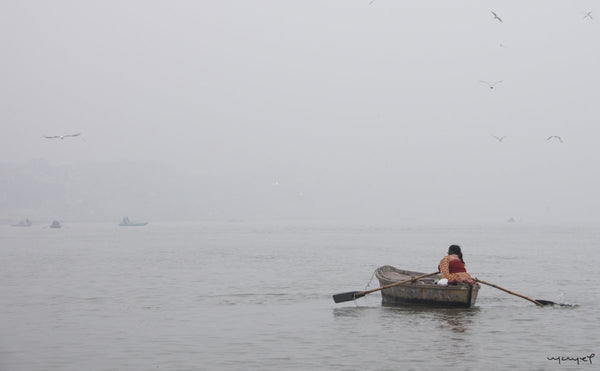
(128, 223)
(23, 223)
(55, 224)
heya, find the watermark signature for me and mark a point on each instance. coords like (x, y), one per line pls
(584, 359)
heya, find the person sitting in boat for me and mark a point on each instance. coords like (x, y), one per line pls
(452, 267)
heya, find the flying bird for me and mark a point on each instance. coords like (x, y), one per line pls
(499, 139)
(555, 136)
(588, 15)
(491, 85)
(496, 17)
(62, 136)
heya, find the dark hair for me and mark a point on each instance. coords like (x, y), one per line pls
(455, 250)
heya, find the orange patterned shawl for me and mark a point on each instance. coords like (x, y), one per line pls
(454, 270)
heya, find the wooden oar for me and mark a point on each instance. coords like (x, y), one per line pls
(539, 302)
(352, 295)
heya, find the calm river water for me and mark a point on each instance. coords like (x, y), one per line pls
(257, 296)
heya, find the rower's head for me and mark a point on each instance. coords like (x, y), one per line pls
(455, 250)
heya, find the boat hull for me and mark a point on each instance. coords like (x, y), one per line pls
(424, 291)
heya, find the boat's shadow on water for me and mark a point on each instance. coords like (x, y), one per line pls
(457, 320)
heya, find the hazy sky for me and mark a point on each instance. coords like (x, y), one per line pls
(317, 108)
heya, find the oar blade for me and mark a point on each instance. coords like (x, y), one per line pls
(348, 296)
(548, 302)
(545, 302)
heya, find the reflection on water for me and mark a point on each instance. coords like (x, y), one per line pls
(457, 320)
(444, 326)
(353, 312)
(454, 320)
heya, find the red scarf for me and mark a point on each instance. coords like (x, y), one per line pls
(456, 266)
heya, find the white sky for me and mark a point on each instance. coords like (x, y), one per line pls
(379, 105)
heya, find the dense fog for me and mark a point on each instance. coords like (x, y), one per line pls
(312, 110)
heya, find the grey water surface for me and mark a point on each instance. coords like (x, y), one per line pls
(257, 296)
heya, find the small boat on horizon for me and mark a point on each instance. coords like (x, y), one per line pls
(424, 292)
(22, 223)
(128, 223)
(55, 224)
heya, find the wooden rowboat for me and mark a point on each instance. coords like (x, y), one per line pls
(423, 291)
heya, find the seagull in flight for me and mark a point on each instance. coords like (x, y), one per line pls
(555, 136)
(588, 15)
(61, 136)
(496, 17)
(499, 139)
(491, 85)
